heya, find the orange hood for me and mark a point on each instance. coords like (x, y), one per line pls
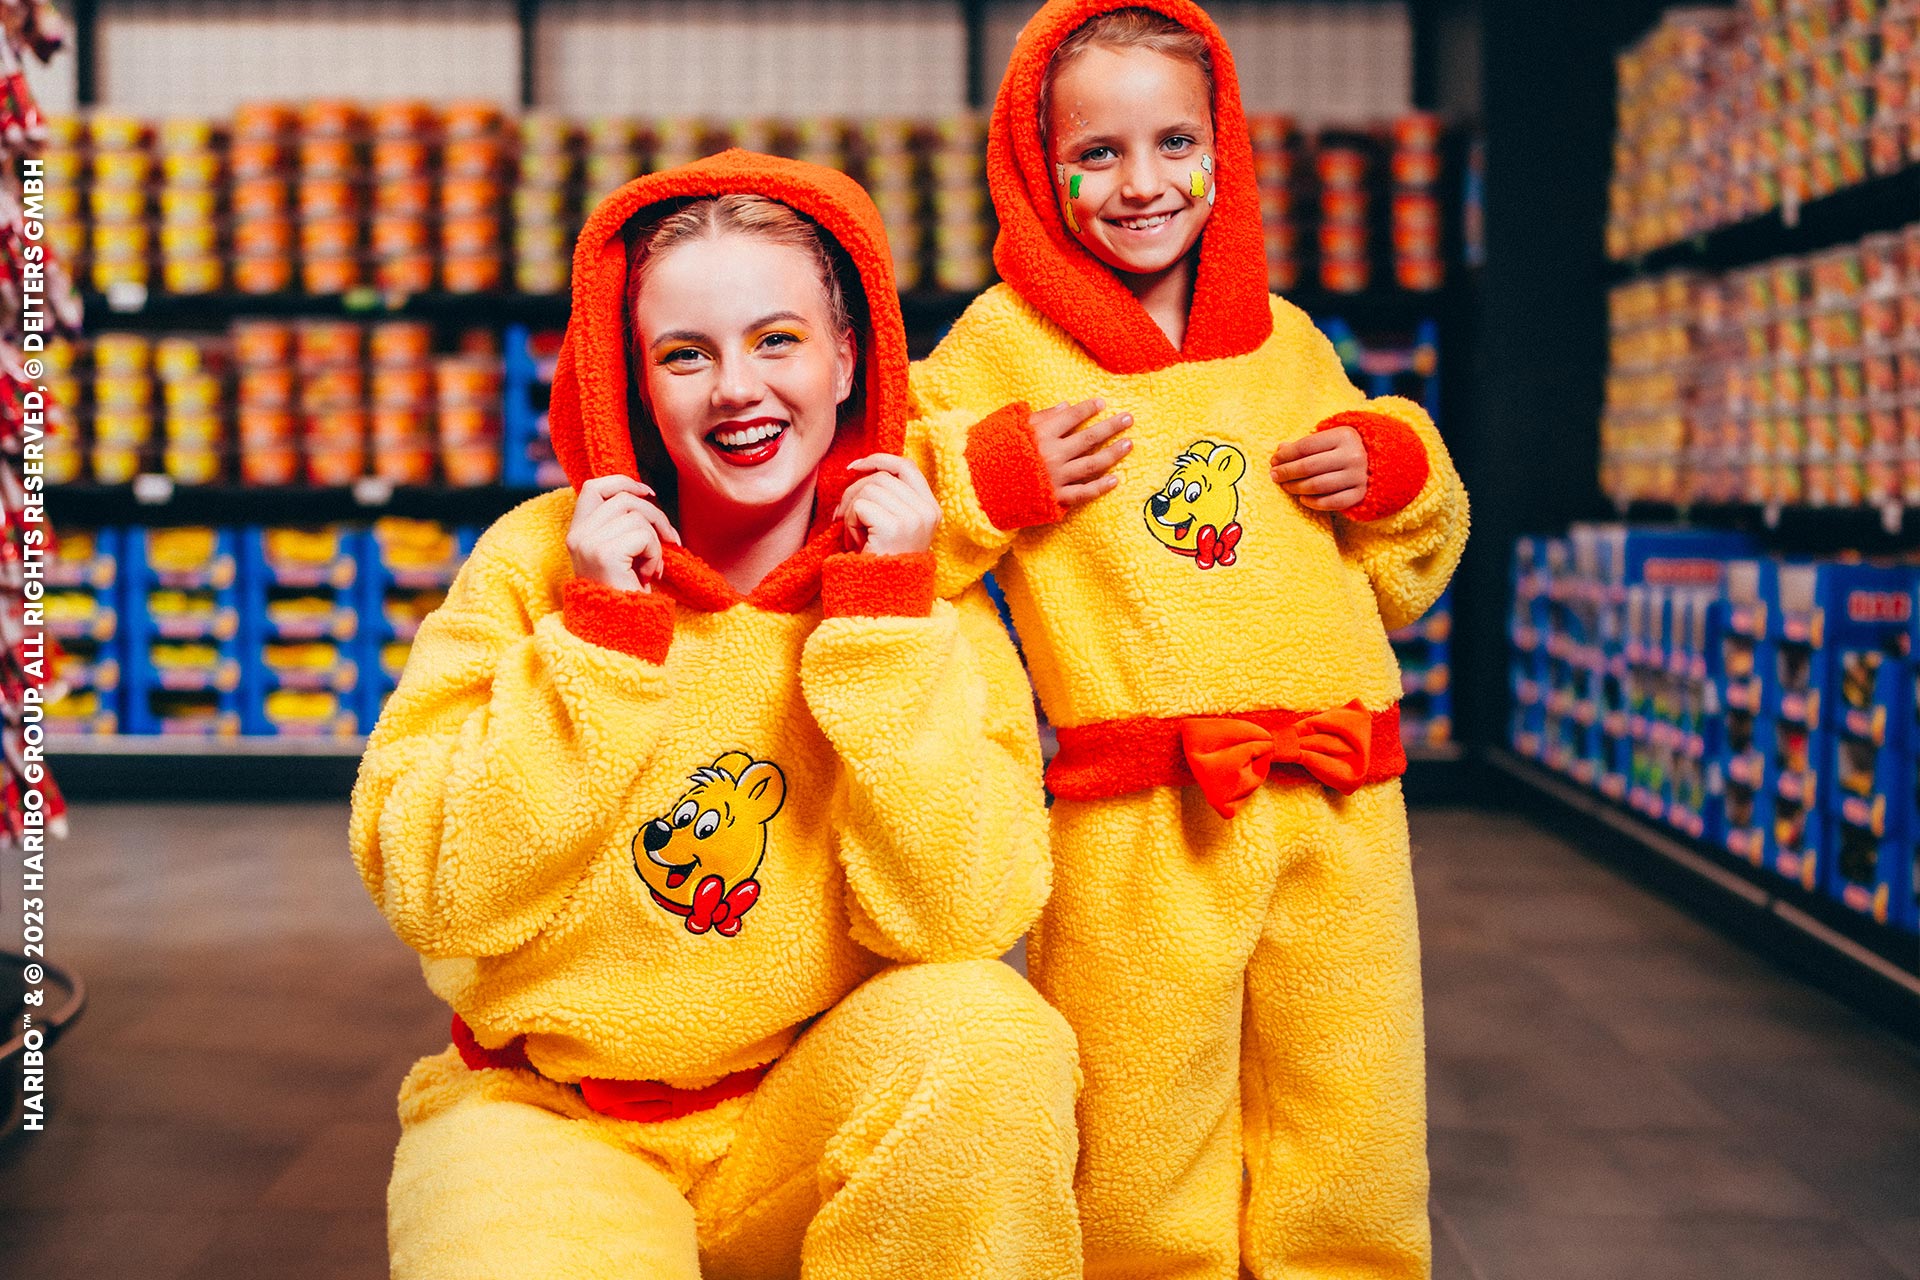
(591, 432)
(1036, 254)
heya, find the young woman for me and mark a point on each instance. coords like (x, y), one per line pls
(707, 819)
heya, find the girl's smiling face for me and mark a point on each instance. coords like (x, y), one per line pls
(1130, 133)
(740, 368)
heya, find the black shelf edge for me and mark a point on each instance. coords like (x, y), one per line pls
(922, 309)
(1885, 203)
(131, 767)
(1807, 530)
(1872, 967)
(89, 505)
(163, 311)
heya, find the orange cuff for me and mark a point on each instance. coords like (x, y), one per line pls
(1009, 477)
(1397, 464)
(857, 585)
(639, 623)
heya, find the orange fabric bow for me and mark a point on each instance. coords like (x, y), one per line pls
(1231, 758)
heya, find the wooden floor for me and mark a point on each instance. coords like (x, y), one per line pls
(1616, 1091)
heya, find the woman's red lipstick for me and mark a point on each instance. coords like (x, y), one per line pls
(754, 453)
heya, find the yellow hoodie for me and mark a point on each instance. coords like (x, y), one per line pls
(1198, 587)
(648, 836)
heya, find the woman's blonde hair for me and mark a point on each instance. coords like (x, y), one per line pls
(709, 218)
(1128, 29)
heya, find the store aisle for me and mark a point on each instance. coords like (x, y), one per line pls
(1616, 1092)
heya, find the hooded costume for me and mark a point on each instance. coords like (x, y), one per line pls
(1231, 931)
(714, 884)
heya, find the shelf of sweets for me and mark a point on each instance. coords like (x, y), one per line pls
(406, 197)
(462, 212)
(1735, 124)
(1794, 382)
(1883, 203)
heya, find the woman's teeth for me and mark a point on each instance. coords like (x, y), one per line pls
(742, 437)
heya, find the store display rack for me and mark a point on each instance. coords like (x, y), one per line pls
(1880, 204)
(1871, 966)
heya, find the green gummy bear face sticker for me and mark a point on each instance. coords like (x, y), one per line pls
(1073, 187)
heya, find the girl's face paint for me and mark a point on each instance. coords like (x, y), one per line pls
(740, 369)
(1126, 128)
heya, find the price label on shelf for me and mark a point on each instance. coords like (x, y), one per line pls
(127, 295)
(153, 490)
(370, 491)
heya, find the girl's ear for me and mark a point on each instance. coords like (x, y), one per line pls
(846, 358)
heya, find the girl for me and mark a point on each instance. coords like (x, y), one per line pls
(1232, 930)
(708, 828)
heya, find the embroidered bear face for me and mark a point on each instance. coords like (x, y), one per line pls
(1194, 513)
(698, 860)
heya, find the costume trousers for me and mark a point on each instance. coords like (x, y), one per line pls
(1246, 993)
(923, 1127)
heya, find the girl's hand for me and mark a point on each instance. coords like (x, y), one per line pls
(617, 532)
(1080, 460)
(889, 510)
(1326, 470)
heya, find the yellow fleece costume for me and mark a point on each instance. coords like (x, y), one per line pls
(714, 884)
(1232, 930)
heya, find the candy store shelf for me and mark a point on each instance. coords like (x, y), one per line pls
(1872, 966)
(1885, 203)
(155, 500)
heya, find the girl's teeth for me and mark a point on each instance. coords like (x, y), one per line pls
(1143, 224)
(751, 435)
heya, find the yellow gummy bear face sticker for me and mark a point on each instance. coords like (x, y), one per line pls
(698, 859)
(1195, 513)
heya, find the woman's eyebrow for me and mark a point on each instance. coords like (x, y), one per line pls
(676, 335)
(776, 317)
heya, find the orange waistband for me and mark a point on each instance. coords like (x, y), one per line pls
(642, 1100)
(1118, 757)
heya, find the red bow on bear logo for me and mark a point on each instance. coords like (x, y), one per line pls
(718, 908)
(1216, 546)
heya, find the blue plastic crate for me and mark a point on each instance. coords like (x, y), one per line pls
(408, 566)
(182, 625)
(1869, 745)
(82, 608)
(301, 667)
(527, 386)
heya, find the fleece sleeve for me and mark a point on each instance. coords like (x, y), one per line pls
(500, 763)
(987, 475)
(1407, 534)
(941, 825)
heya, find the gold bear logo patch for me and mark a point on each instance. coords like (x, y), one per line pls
(1196, 513)
(699, 859)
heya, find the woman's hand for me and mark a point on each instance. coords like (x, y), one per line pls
(617, 533)
(1326, 470)
(889, 510)
(1080, 459)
